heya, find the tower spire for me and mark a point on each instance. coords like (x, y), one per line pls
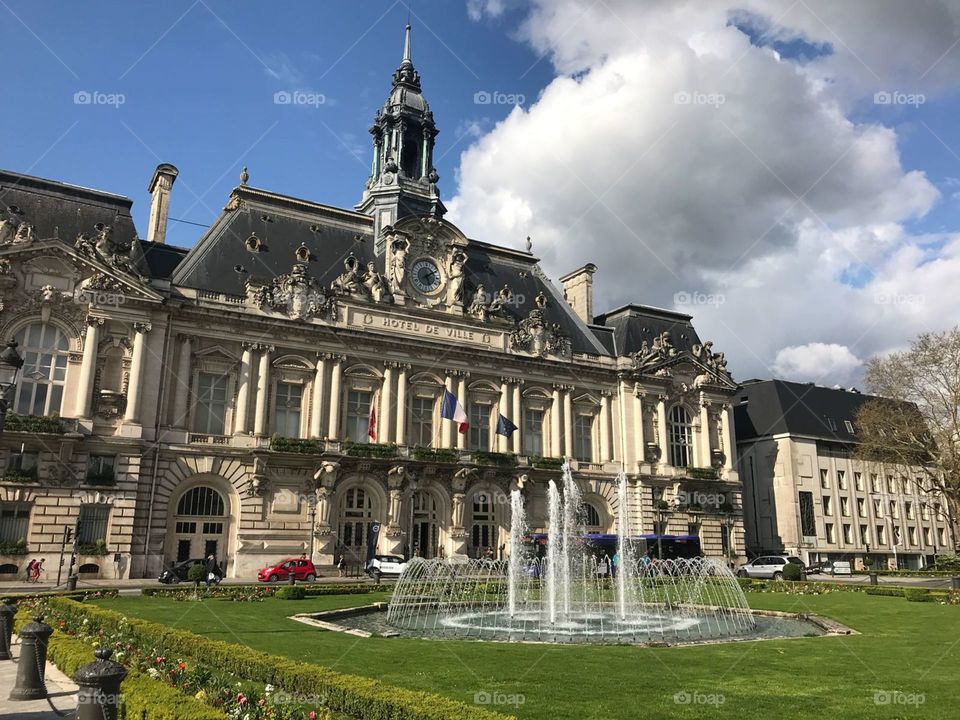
(406, 46)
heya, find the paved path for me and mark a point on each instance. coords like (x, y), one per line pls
(63, 693)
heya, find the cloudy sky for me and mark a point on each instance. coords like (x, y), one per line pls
(787, 172)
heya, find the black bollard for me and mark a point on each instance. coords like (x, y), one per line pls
(291, 578)
(33, 658)
(873, 578)
(98, 697)
(6, 629)
(72, 582)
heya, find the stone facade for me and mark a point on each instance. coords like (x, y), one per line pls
(231, 387)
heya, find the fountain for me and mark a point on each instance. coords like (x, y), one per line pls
(569, 595)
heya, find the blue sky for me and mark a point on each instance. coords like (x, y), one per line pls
(198, 82)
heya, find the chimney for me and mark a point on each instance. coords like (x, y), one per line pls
(578, 290)
(159, 188)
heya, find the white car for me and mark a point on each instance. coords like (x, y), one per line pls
(768, 566)
(385, 566)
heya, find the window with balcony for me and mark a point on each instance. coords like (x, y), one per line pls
(288, 411)
(210, 404)
(421, 421)
(532, 434)
(358, 415)
(583, 438)
(44, 348)
(680, 437)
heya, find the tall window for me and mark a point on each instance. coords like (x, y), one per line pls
(23, 463)
(858, 480)
(44, 350)
(808, 522)
(864, 536)
(874, 483)
(93, 523)
(591, 518)
(210, 411)
(532, 432)
(421, 421)
(358, 415)
(14, 522)
(681, 437)
(583, 438)
(842, 479)
(289, 403)
(479, 426)
(824, 478)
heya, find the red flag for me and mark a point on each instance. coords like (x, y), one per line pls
(372, 424)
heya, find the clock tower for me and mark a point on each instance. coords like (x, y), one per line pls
(403, 181)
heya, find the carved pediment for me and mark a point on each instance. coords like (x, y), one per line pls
(296, 294)
(535, 334)
(696, 367)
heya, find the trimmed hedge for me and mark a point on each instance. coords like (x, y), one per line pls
(362, 698)
(919, 595)
(883, 591)
(295, 592)
(140, 693)
(792, 571)
(258, 592)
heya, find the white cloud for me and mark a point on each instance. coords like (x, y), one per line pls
(680, 157)
(817, 362)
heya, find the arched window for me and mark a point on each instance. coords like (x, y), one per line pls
(591, 517)
(681, 437)
(44, 350)
(201, 501)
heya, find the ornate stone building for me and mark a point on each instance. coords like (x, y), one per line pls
(221, 398)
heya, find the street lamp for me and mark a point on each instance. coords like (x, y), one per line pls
(10, 364)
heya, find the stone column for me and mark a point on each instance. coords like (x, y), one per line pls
(240, 426)
(182, 381)
(137, 366)
(556, 448)
(333, 429)
(517, 417)
(446, 426)
(402, 404)
(462, 399)
(703, 446)
(567, 421)
(88, 369)
(319, 387)
(386, 410)
(662, 428)
(729, 446)
(263, 389)
(605, 426)
(638, 418)
(503, 443)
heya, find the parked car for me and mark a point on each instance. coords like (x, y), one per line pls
(302, 569)
(768, 566)
(385, 565)
(821, 566)
(177, 572)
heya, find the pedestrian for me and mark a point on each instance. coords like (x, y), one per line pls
(30, 566)
(37, 568)
(212, 568)
(341, 566)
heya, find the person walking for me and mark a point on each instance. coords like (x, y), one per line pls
(341, 566)
(30, 567)
(212, 569)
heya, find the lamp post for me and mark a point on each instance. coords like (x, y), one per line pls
(10, 364)
(729, 521)
(662, 512)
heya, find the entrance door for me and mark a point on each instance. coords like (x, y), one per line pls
(425, 530)
(200, 525)
(183, 550)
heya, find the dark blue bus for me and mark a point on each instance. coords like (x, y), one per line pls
(600, 544)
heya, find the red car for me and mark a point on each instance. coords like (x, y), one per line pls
(302, 569)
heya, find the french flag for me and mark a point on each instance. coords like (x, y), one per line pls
(451, 409)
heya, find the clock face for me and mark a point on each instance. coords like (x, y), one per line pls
(425, 276)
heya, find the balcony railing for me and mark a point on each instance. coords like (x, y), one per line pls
(34, 424)
(204, 439)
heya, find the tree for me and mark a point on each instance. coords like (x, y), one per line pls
(914, 426)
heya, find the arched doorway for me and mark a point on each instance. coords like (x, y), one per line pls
(484, 529)
(200, 524)
(358, 508)
(426, 525)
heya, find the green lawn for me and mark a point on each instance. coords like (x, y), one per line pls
(909, 648)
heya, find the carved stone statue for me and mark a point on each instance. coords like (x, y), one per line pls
(534, 334)
(376, 285)
(349, 280)
(478, 306)
(24, 233)
(500, 301)
(297, 294)
(398, 264)
(8, 230)
(455, 264)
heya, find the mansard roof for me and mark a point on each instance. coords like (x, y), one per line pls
(632, 325)
(779, 407)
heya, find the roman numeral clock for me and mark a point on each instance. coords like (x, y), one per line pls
(425, 263)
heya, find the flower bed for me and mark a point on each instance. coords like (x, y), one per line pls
(362, 698)
(256, 593)
(944, 597)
